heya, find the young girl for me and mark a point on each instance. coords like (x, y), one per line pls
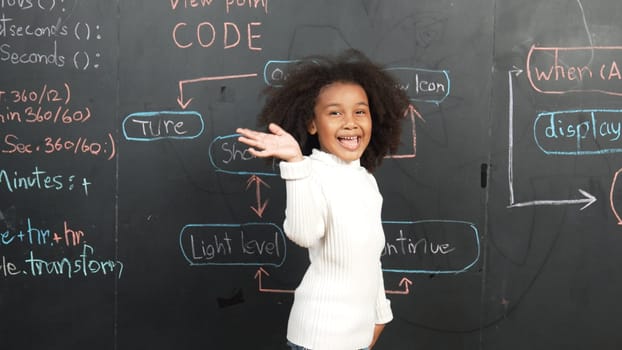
(331, 124)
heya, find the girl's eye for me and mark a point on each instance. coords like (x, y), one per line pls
(334, 113)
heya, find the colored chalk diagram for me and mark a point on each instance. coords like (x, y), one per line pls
(576, 132)
(412, 247)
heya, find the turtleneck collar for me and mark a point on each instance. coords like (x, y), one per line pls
(332, 159)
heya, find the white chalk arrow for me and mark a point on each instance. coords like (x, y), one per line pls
(588, 199)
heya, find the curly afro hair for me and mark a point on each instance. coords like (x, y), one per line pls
(291, 106)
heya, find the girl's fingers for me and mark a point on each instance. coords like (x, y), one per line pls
(250, 137)
(247, 141)
(260, 154)
(251, 134)
(275, 129)
(254, 152)
(277, 143)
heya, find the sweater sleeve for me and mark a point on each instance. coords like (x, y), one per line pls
(305, 206)
(383, 305)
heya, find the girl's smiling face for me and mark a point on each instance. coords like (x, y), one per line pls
(342, 120)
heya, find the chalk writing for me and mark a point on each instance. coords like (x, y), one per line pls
(423, 84)
(579, 132)
(39, 179)
(38, 106)
(232, 244)
(85, 265)
(41, 240)
(556, 70)
(10, 30)
(32, 235)
(412, 246)
(234, 152)
(8, 268)
(41, 114)
(219, 34)
(44, 94)
(48, 57)
(59, 32)
(249, 4)
(237, 4)
(275, 72)
(31, 5)
(77, 145)
(204, 34)
(151, 126)
(430, 246)
(229, 156)
(35, 116)
(175, 4)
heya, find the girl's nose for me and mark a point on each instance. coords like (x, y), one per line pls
(349, 121)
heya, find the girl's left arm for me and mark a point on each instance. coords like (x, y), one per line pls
(384, 314)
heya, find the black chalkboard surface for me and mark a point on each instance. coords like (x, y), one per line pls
(131, 218)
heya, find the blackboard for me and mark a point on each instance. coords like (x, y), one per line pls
(131, 218)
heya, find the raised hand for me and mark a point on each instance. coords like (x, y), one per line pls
(278, 143)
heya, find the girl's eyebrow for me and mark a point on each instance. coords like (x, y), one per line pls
(337, 104)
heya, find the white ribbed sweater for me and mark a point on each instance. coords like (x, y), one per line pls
(333, 209)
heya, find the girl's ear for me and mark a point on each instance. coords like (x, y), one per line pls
(311, 128)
